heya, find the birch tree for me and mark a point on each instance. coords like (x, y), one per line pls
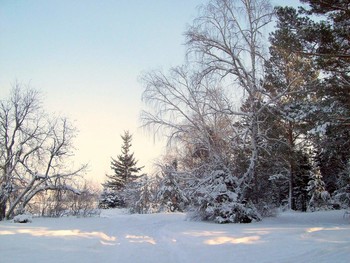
(33, 151)
(180, 107)
(227, 40)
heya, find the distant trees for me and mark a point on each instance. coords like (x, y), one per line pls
(249, 130)
(125, 174)
(66, 203)
(34, 149)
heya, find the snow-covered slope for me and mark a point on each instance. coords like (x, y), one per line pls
(120, 237)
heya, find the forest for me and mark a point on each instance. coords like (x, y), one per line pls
(257, 119)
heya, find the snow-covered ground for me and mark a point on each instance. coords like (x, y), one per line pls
(118, 237)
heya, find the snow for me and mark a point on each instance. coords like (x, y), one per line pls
(24, 218)
(116, 236)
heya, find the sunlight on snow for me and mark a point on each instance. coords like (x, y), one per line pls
(7, 232)
(219, 238)
(60, 233)
(321, 234)
(316, 229)
(232, 240)
(140, 239)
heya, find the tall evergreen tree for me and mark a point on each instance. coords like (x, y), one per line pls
(125, 172)
(325, 43)
(125, 166)
(330, 37)
(291, 78)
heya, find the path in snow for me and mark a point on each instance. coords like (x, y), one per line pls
(115, 237)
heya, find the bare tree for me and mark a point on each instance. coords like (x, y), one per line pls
(181, 107)
(173, 100)
(33, 151)
(227, 40)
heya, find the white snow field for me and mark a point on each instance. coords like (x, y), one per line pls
(119, 237)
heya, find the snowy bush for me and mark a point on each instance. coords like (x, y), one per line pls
(110, 199)
(139, 195)
(216, 200)
(170, 193)
(23, 218)
(342, 195)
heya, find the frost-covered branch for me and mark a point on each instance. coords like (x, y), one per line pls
(34, 150)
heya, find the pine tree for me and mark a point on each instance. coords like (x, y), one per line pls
(318, 194)
(291, 78)
(329, 37)
(125, 173)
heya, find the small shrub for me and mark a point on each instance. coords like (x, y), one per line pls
(23, 218)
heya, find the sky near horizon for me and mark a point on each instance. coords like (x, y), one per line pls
(86, 56)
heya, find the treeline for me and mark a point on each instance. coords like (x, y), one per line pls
(254, 124)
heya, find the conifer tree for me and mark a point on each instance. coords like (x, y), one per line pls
(319, 195)
(125, 166)
(330, 38)
(125, 172)
(292, 79)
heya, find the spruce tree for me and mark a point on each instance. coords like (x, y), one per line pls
(125, 172)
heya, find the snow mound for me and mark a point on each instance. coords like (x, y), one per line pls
(24, 218)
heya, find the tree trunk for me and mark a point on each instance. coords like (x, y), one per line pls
(291, 199)
(2, 210)
(251, 175)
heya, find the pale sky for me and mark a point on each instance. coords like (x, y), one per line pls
(86, 57)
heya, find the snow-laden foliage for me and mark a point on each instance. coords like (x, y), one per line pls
(139, 195)
(319, 197)
(118, 185)
(216, 198)
(171, 194)
(110, 199)
(290, 116)
(342, 194)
